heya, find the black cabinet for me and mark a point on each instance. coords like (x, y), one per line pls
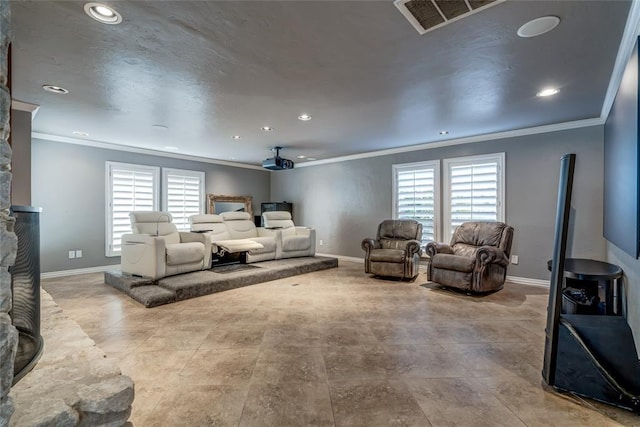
(276, 206)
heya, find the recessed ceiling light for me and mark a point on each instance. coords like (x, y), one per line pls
(444, 132)
(236, 137)
(304, 117)
(170, 147)
(80, 133)
(55, 89)
(538, 26)
(548, 92)
(266, 128)
(311, 158)
(301, 156)
(102, 13)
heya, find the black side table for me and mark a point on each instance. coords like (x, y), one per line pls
(597, 271)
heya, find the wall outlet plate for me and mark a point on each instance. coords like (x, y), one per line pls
(514, 259)
(72, 254)
(79, 253)
(321, 242)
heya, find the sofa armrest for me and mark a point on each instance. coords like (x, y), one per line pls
(205, 239)
(434, 248)
(368, 244)
(491, 255)
(143, 255)
(413, 247)
(269, 232)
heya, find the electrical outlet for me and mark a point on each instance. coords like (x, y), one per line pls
(79, 253)
(514, 259)
(72, 254)
(321, 242)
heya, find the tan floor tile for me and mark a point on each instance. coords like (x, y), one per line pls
(290, 364)
(224, 366)
(198, 405)
(358, 362)
(277, 348)
(288, 404)
(374, 403)
(460, 402)
(539, 407)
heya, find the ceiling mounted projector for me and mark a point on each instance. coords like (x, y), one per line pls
(277, 163)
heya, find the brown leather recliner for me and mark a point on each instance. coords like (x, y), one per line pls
(475, 261)
(396, 250)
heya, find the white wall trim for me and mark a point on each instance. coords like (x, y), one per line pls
(63, 273)
(478, 138)
(527, 281)
(629, 37)
(119, 147)
(25, 106)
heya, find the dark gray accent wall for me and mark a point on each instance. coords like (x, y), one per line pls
(68, 182)
(346, 201)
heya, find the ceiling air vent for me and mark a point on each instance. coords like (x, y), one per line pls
(427, 15)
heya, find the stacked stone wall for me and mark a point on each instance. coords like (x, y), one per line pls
(8, 240)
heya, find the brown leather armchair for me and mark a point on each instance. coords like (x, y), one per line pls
(475, 261)
(395, 252)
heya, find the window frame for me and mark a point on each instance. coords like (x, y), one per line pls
(499, 158)
(109, 167)
(186, 173)
(403, 167)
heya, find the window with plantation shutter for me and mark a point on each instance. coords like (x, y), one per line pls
(182, 195)
(473, 190)
(129, 188)
(416, 195)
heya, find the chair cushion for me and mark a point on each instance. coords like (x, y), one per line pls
(387, 255)
(268, 243)
(400, 229)
(184, 253)
(479, 233)
(296, 243)
(453, 262)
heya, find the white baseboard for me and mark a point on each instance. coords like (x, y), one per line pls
(528, 281)
(77, 271)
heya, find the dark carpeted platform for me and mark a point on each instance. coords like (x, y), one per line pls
(152, 293)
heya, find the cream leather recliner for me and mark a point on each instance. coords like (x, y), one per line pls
(296, 241)
(240, 226)
(221, 242)
(157, 249)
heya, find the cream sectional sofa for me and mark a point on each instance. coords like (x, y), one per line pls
(237, 232)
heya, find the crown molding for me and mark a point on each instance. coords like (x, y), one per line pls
(629, 38)
(25, 106)
(467, 140)
(118, 147)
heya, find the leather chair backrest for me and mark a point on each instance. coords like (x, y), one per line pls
(240, 225)
(394, 233)
(470, 235)
(280, 219)
(213, 224)
(156, 224)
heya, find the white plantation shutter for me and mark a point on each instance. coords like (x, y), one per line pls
(416, 195)
(473, 190)
(130, 188)
(182, 195)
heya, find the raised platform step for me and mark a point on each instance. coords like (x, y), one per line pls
(190, 285)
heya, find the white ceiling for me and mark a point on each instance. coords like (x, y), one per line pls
(209, 70)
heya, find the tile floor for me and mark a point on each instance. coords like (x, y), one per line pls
(334, 348)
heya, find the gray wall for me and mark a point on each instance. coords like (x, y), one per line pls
(346, 201)
(68, 182)
(21, 159)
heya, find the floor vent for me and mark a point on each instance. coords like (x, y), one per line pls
(428, 15)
